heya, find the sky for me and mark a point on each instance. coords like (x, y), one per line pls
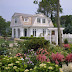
(9, 7)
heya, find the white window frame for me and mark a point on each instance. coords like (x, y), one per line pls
(37, 20)
(15, 20)
(26, 20)
(43, 19)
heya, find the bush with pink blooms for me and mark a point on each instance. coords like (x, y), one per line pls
(69, 58)
(42, 55)
(57, 58)
(66, 46)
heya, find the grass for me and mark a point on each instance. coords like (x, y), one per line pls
(2, 41)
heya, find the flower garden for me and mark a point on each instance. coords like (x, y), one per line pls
(35, 55)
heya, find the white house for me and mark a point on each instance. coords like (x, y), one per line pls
(37, 25)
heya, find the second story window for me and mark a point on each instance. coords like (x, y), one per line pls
(15, 20)
(26, 19)
(38, 20)
(43, 20)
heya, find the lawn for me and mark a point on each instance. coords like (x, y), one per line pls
(9, 41)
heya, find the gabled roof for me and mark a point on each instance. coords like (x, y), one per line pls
(21, 14)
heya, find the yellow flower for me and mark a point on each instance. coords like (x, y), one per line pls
(35, 67)
(43, 65)
(60, 70)
(26, 70)
(0, 63)
(17, 61)
(48, 62)
(14, 67)
(14, 56)
(10, 57)
(7, 67)
(7, 59)
(4, 58)
(30, 69)
(50, 67)
(56, 65)
(10, 64)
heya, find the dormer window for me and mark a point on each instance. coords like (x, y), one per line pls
(15, 20)
(26, 19)
(38, 20)
(43, 20)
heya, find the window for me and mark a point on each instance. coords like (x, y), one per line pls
(25, 19)
(38, 20)
(43, 20)
(44, 32)
(53, 32)
(15, 20)
(34, 32)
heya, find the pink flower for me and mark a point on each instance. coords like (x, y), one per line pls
(66, 46)
(56, 62)
(69, 57)
(57, 57)
(48, 60)
(18, 54)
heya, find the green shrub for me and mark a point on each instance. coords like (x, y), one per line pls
(3, 51)
(34, 44)
(46, 67)
(65, 41)
(28, 38)
(12, 64)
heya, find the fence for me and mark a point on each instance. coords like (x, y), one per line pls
(68, 36)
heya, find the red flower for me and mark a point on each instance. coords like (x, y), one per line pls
(57, 57)
(66, 46)
(69, 57)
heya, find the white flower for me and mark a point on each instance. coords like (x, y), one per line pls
(70, 67)
(17, 61)
(10, 64)
(7, 67)
(14, 67)
(10, 53)
(43, 65)
(22, 59)
(26, 70)
(50, 67)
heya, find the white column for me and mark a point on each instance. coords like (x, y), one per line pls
(16, 32)
(62, 35)
(21, 32)
(50, 36)
(56, 36)
(31, 30)
(12, 32)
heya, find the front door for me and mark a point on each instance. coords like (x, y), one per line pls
(25, 32)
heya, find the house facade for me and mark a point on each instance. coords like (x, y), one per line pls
(38, 25)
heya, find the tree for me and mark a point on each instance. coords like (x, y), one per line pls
(66, 21)
(49, 8)
(58, 24)
(4, 26)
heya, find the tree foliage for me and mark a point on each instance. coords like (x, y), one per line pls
(49, 8)
(4, 26)
(66, 21)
